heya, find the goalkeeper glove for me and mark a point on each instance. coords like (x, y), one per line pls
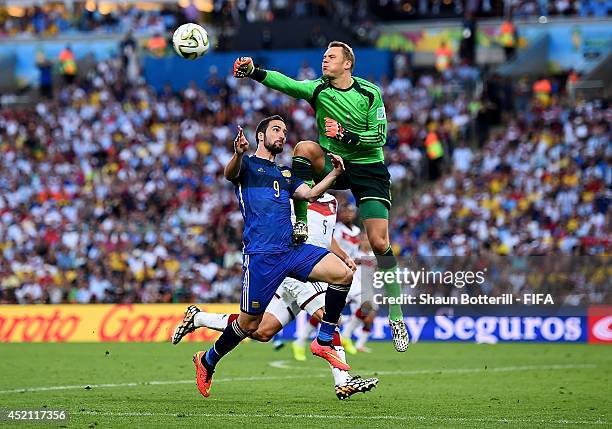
(243, 67)
(334, 130)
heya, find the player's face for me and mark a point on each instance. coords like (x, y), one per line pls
(334, 64)
(275, 136)
(347, 215)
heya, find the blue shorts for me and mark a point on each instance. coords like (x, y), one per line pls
(263, 273)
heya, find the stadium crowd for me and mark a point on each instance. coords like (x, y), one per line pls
(530, 8)
(539, 185)
(524, 9)
(54, 18)
(533, 206)
(113, 193)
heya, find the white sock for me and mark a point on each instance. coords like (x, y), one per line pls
(344, 319)
(216, 321)
(350, 326)
(362, 339)
(340, 376)
(305, 333)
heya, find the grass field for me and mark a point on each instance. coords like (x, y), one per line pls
(432, 385)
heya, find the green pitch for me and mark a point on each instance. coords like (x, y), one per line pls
(432, 385)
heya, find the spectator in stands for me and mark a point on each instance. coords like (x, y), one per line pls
(542, 90)
(157, 45)
(68, 65)
(306, 72)
(462, 158)
(128, 44)
(435, 152)
(45, 81)
(507, 37)
(444, 57)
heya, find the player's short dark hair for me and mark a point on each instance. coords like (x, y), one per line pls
(345, 207)
(347, 52)
(263, 125)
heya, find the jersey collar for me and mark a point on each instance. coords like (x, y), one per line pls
(353, 85)
(262, 160)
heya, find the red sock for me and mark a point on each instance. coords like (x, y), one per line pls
(314, 321)
(336, 339)
(360, 315)
(231, 318)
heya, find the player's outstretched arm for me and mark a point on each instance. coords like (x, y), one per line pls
(241, 144)
(303, 192)
(303, 89)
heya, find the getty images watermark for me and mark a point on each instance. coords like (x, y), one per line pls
(493, 280)
(458, 279)
(412, 279)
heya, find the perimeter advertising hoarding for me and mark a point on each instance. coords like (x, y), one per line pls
(98, 322)
(600, 324)
(155, 322)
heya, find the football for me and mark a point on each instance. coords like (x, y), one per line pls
(190, 41)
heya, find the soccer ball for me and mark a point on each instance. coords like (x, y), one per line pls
(190, 41)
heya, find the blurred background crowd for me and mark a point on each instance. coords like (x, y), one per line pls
(111, 191)
(55, 17)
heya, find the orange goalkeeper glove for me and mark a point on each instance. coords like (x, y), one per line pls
(243, 67)
(334, 130)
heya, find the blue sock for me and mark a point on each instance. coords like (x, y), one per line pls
(326, 333)
(230, 338)
(212, 357)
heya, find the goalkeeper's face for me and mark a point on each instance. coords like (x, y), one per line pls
(275, 137)
(334, 64)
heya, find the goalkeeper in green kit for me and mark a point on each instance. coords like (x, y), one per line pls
(352, 123)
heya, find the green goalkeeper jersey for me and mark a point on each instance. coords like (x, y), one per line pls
(359, 109)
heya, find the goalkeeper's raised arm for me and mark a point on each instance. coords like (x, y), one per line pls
(303, 89)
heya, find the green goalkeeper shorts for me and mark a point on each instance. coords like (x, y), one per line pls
(366, 181)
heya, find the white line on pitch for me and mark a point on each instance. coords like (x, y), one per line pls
(345, 417)
(284, 364)
(301, 377)
(153, 383)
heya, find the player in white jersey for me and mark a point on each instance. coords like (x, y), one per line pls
(347, 234)
(349, 237)
(292, 297)
(323, 217)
